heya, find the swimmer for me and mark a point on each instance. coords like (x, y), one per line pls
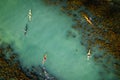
(25, 30)
(89, 54)
(44, 59)
(30, 15)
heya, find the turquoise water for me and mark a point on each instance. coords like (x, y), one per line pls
(47, 34)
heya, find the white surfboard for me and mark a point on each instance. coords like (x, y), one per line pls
(89, 54)
(30, 15)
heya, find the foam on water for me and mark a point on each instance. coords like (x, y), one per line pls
(47, 34)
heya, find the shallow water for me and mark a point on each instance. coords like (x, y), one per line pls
(47, 34)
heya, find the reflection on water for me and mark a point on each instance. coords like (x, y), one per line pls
(66, 32)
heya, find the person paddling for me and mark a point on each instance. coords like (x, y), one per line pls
(89, 54)
(30, 15)
(44, 59)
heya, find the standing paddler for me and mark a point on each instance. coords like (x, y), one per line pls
(30, 15)
(89, 54)
(44, 59)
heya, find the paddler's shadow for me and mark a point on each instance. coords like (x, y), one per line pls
(25, 29)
